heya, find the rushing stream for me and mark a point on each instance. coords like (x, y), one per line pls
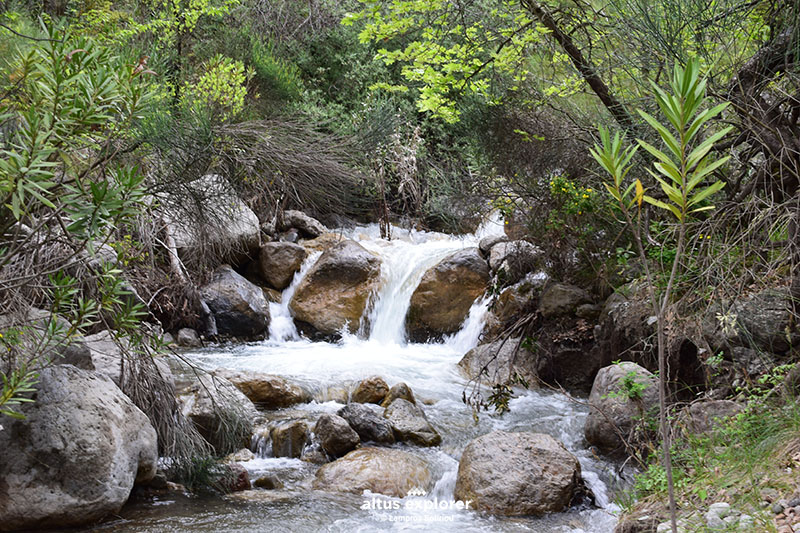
(430, 370)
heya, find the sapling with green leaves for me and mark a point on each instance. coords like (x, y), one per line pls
(685, 170)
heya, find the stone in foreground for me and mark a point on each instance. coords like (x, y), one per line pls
(382, 470)
(76, 456)
(513, 474)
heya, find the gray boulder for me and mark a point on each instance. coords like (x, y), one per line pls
(622, 395)
(367, 423)
(410, 424)
(513, 260)
(514, 474)
(559, 299)
(239, 307)
(76, 456)
(705, 416)
(188, 338)
(279, 261)
(765, 321)
(335, 435)
(309, 227)
(485, 245)
(220, 412)
(217, 219)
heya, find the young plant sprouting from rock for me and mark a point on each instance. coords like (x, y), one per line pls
(684, 171)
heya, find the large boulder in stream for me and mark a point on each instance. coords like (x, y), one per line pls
(75, 457)
(266, 390)
(515, 474)
(442, 300)
(239, 307)
(279, 261)
(336, 290)
(382, 470)
(623, 395)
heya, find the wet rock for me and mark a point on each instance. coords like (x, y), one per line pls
(266, 390)
(333, 393)
(309, 227)
(279, 261)
(289, 438)
(322, 243)
(220, 412)
(76, 456)
(381, 470)
(621, 395)
(400, 390)
(239, 307)
(410, 424)
(441, 301)
(559, 299)
(224, 221)
(368, 424)
(269, 482)
(705, 416)
(512, 260)
(370, 390)
(515, 474)
(500, 362)
(189, 338)
(335, 292)
(335, 435)
(314, 454)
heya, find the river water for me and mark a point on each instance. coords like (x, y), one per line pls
(430, 370)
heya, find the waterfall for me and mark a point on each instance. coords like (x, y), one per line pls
(281, 326)
(467, 337)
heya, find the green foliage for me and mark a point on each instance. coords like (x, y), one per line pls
(221, 88)
(450, 51)
(15, 385)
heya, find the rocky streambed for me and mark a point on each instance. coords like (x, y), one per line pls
(527, 470)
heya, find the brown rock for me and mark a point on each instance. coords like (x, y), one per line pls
(382, 470)
(289, 438)
(279, 261)
(370, 390)
(268, 391)
(442, 300)
(400, 390)
(334, 294)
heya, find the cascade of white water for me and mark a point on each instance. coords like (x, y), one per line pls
(406, 258)
(467, 337)
(281, 326)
